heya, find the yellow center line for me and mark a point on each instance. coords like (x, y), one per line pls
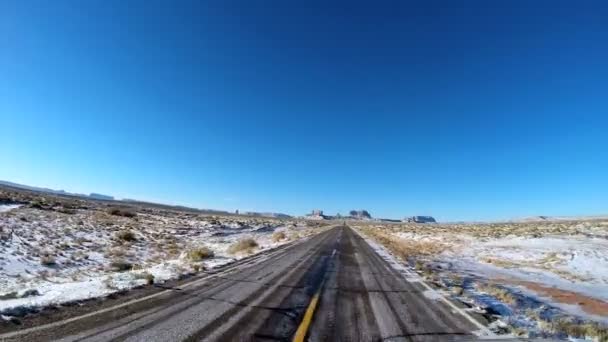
(310, 311)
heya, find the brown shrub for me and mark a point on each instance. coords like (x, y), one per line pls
(47, 260)
(147, 276)
(244, 245)
(37, 205)
(126, 235)
(199, 254)
(278, 236)
(67, 211)
(124, 212)
(573, 328)
(120, 265)
(457, 290)
(499, 293)
(405, 248)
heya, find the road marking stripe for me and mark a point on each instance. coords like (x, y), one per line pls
(308, 315)
(310, 310)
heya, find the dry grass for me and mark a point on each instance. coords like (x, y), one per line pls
(573, 328)
(47, 260)
(199, 254)
(550, 258)
(498, 292)
(110, 284)
(457, 290)
(497, 230)
(546, 264)
(500, 262)
(404, 248)
(126, 235)
(120, 265)
(246, 245)
(317, 224)
(79, 256)
(67, 211)
(124, 212)
(81, 240)
(433, 238)
(278, 236)
(147, 276)
(116, 252)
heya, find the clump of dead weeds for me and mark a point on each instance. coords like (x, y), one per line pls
(575, 328)
(199, 254)
(246, 245)
(404, 248)
(498, 292)
(148, 277)
(278, 236)
(120, 265)
(48, 260)
(126, 235)
(124, 212)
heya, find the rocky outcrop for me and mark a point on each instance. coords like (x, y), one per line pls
(420, 219)
(360, 214)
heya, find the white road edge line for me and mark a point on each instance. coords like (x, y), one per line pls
(483, 330)
(134, 301)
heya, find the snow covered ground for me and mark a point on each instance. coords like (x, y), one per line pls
(49, 257)
(574, 263)
(538, 278)
(8, 207)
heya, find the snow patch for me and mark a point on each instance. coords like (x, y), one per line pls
(8, 207)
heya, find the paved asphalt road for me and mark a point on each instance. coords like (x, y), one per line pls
(332, 287)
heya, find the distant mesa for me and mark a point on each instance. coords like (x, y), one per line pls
(257, 214)
(420, 219)
(316, 215)
(389, 220)
(534, 219)
(360, 214)
(101, 197)
(55, 192)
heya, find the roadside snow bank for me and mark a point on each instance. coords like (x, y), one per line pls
(46, 293)
(49, 257)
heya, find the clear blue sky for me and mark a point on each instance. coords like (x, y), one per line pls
(489, 110)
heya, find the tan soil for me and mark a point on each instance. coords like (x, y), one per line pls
(588, 304)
